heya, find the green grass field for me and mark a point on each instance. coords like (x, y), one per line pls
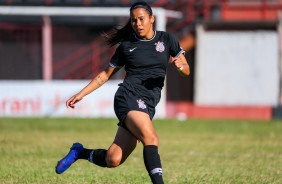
(192, 151)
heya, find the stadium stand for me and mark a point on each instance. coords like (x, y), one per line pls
(214, 13)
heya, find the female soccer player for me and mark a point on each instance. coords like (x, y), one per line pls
(145, 54)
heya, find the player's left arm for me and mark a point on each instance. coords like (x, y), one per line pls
(181, 64)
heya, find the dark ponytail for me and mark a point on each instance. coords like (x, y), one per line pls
(118, 35)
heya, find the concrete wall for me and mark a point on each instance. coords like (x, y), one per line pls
(236, 68)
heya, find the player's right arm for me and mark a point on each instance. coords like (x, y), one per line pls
(96, 82)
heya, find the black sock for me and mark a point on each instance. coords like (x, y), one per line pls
(84, 154)
(96, 156)
(153, 163)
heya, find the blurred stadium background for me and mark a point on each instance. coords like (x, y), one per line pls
(233, 48)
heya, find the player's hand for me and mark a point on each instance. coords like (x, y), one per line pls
(177, 62)
(73, 100)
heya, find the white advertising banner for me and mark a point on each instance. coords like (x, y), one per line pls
(39, 98)
(237, 68)
(47, 99)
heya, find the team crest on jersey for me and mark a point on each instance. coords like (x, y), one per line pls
(160, 46)
(141, 104)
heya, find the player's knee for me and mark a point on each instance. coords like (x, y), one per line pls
(151, 140)
(113, 161)
(155, 140)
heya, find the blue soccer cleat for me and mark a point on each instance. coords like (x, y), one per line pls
(69, 159)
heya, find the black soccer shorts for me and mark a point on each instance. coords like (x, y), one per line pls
(126, 101)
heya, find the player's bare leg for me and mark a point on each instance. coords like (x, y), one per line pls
(141, 126)
(121, 148)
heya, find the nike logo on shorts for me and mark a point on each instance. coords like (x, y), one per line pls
(130, 50)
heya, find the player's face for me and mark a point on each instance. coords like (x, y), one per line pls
(142, 23)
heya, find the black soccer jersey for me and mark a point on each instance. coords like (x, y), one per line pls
(145, 63)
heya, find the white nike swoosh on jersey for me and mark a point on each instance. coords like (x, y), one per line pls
(130, 50)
